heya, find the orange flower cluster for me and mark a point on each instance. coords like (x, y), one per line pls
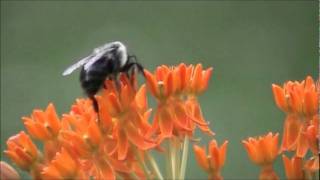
(114, 142)
(263, 151)
(175, 88)
(300, 102)
(213, 162)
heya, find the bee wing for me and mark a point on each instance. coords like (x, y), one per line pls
(92, 60)
(78, 64)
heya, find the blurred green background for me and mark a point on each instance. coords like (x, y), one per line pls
(250, 45)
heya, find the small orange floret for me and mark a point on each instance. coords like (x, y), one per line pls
(43, 125)
(126, 111)
(213, 162)
(22, 150)
(262, 150)
(293, 167)
(297, 97)
(63, 166)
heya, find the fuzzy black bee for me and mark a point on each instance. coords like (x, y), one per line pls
(106, 61)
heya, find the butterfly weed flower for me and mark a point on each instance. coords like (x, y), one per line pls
(214, 161)
(45, 126)
(178, 111)
(175, 89)
(294, 167)
(300, 101)
(63, 166)
(24, 153)
(263, 151)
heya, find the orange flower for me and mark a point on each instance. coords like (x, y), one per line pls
(297, 97)
(127, 108)
(86, 141)
(43, 125)
(214, 162)
(293, 167)
(262, 150)
(22, 151)
(63, 166)
(175, 89)
(178, 80)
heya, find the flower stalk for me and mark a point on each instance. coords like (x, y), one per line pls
(154, 166)
(184, 157)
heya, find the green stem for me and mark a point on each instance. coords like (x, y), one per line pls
(178, 156)
(172, 150)
(184, 158)
(168, 161)
(154, 166)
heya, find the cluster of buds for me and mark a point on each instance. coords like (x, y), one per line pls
(300, 102)
(115, 141)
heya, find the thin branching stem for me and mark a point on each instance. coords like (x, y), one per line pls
(172, 150)
(154, 166)
(184, 158)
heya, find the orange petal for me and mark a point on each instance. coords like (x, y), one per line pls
(302, 144)
(214, 155)
(141, 98)
(253, 154)
(205, 79)
(123, 145)
(279, 97)
(50, 173)
(293, 167)
(151, 83)
(106, 171)
(103, 112)
(126, 96)
(136, 138)
(295, 102)
(197, 78)
(94, 133)
(113, 104)
(169, 84)
(223, 152)
(309, 82)
(165, 122)
(291, 131)
(311, 103)
(39, 116)
(53, 119)
(201, 158)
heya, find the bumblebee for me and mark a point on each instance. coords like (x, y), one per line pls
(106, 61)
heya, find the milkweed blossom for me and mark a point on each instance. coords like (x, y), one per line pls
(175, 89)
(214, 161)
(116, 141)
(263, 151)
(300, 102)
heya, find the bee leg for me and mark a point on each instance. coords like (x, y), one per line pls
(95, 104)
(132, 62)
